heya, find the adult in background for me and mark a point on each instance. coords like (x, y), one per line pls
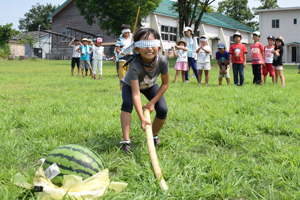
(192, 46)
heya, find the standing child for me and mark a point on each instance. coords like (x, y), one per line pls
(222, 56)
(203, 62)
(98, 58)
(75, 55)
(182, 60)
(277, 60)
(192, 46)
(124, 40)
(142, 76)
(238, 59)
(85, 50)
(269, 59)
(257, 55)
(90, 42)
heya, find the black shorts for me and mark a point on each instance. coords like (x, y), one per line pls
(74, 61)
(160, 106)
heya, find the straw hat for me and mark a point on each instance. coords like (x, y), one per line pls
(182, 41)
(84, 39)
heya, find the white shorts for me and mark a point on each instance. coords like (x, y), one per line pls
(203, 66)
(225, 75)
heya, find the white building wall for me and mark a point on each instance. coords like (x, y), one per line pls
(287, 29)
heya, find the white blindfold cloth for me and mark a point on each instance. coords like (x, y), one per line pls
(203, 39)
(126, 31)
(141, 44)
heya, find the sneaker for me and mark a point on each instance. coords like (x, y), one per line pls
(186, 81)
(126, 146)
(156, 140)
(193, 76)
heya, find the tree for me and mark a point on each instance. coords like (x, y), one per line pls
(110, 15)
(30, 39)
(239, 11)
(36, 16)
(268, 4)
(191, 12)
(6, 33)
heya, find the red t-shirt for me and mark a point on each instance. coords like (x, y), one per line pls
(256, 54)
(238, 51)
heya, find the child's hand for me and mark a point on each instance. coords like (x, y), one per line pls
(225, 71)
(244, 64)
(149, 106)
(93, 58)
(145, 122)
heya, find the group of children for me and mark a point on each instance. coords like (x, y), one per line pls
(265, 60)
(88, 56)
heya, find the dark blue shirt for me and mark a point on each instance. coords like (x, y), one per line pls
(223, 57)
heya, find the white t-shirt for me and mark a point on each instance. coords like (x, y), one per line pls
(121, 42)
(204, 57)
(98, 52)
(75, 53)
(182, 55)
(268, 54)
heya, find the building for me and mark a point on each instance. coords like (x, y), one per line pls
(66, 20)
(282, 22)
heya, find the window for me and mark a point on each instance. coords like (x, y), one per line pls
(169, 33)
(295, 21)
(67, 33)
(275, 23)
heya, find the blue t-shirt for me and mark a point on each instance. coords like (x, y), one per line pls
(223, 57)
(190, 48)
(85, 50)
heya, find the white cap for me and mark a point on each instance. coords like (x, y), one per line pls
(203, 38)
(188, 29)
(256, 33)
(237, 34)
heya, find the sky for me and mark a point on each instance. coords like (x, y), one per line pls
(13, 10)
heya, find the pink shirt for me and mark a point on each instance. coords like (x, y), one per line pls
(268, 54)
(256, 55)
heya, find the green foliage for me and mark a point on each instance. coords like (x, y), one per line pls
(6, 33)
(191, 12)
(239, 11)
(36, 16)
(219, 142)
(268, 4)
(27, 38)
(110, 15)
(4, 51)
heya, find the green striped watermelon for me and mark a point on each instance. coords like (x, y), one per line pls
(73, 159)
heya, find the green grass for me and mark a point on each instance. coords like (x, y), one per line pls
(219, 142)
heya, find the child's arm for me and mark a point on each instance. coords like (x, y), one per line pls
(197, 51)
(162, 89)
(175, 54)
(245, 60)
(70, 44)
(78, 50)
(220, 64)
(226, 66)
(230, 57)
(136, 97)
(263, 55)
(80, 43)
(91, 50)
(206, 50)
(103, 54)
(183, 48)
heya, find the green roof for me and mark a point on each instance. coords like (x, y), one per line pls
(58, 9)
(215, 18)
(165, 8)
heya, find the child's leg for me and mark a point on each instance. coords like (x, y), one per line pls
(241, 72)
(228, 81)
(200, 76)
(72, 66)
(78, 65)
(276, 76)
(235, 71)
(206, 72)
(100, 69)
(82, 66)
(282, 77)
(160, 108)
(176, 75)
(95, 69)
(126, 110)
(183, 76)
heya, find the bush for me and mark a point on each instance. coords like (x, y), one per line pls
(4, 51)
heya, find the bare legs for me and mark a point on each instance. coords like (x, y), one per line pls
(206, 76)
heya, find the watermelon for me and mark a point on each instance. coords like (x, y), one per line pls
(73, 159)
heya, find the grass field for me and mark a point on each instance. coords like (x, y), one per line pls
(219, 142)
